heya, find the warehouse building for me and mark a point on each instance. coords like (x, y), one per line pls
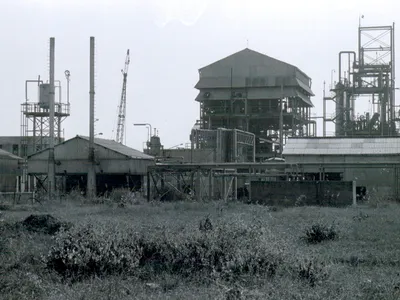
(9, 171)
(116, 165)
(372, 162)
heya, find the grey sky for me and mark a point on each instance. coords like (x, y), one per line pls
(169, 41)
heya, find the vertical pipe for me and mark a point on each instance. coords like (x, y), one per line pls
(354, 193)
(281, 123)
(392, 77)
(91, 179)
(254, 148)
(51, 168)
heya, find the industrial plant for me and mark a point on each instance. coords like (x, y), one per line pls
(256, 136)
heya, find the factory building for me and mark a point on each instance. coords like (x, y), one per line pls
(116, 165)
(9, 171)
(255, 93)
(372, 162)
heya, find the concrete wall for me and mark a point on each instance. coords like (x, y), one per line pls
(80, 166)
(379, 174)
(286, 193)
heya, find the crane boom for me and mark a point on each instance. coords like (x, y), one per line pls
(122, 104)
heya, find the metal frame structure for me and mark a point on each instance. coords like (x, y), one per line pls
(35, 122)
(272, 121)
(210, 180)
(371, 75)
(230, 145)
(122, 104)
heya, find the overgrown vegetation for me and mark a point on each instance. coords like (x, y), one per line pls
(318, 233)
(189, 250)
(226, 251)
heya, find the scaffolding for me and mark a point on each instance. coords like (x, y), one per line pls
(368, 74)
(35, 123)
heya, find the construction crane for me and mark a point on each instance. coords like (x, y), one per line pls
(122, 104)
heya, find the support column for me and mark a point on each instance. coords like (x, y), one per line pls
(210, 185)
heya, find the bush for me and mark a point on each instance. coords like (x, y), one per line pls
(226, 251)
(318, 233)
(84, 252)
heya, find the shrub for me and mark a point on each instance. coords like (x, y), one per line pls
(318, 233)
(311, 272)
(84, 252)
(226, 251)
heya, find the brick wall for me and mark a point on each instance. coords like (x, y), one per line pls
(287, 193)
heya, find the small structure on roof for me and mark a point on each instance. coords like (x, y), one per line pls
(9, 171)
(373, 162)
(116, 165)
(248, 91)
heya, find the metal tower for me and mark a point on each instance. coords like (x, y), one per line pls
(35, 118)
(122, 104)
(372, 77)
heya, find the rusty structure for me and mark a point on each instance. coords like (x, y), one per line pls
(255, 93)
(365, 77)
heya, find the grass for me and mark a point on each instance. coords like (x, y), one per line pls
(212, 250)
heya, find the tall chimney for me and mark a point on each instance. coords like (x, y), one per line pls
(51, 167)
(91, 179)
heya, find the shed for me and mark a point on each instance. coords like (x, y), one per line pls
(116, 165)
(9, 171)
(373, 162)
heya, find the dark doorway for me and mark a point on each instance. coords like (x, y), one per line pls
(361, 192)
(107, 182)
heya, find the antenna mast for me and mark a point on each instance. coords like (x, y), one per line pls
(122, 105)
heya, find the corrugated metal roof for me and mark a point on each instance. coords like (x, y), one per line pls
(249, 63)
(342, 146)
(7, 155)
(119, 148)
(242, 68)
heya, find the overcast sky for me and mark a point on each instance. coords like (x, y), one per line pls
(169, 40)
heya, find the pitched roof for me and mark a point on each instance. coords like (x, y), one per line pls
(248, 63)
(108, 144)
(342, 146)
(7, 155)
(119, 148)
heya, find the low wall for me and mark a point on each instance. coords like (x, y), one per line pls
(291, 193)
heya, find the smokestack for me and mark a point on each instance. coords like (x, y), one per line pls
(51, 167)
(91, 180)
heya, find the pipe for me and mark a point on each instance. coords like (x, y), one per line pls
(91, 176)
(340, 61)
(26, 87)
(51, 175)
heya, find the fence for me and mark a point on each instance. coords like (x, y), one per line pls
(291, 193)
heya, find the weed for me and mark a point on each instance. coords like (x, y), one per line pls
(312, 272)
(318, 233)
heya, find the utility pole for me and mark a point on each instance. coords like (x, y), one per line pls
(51, 167)
(281, 123)
(91, 176)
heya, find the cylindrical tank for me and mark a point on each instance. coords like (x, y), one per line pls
(155, 146)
